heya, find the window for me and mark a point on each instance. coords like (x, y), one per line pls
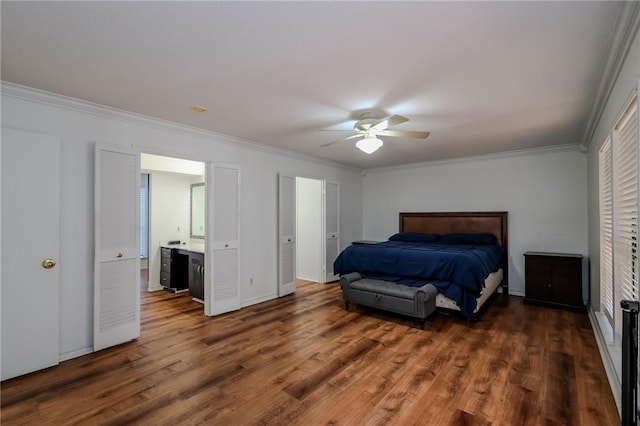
(625, 140)
(619, 197)
(605, 178)
(144, 214)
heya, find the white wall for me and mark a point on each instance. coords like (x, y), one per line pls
(80, 125)
(171, 165)
(309, 229)
(544, 192)
(169, 209)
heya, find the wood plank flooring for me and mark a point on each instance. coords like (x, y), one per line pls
(304, 360)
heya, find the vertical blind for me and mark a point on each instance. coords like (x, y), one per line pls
(144, 214)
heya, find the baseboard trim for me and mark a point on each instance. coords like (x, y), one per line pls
(75, 354)
(309, 278)
(254, 301)
(614, 382)
(155, 288)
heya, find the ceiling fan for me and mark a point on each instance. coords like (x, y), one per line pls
(369, 126)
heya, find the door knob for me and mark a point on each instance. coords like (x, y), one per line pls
(119, 255)
(48, 263)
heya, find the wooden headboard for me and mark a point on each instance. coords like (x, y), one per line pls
(441, 223)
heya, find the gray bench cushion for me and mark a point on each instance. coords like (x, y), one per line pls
(417, 302)
(386, 288)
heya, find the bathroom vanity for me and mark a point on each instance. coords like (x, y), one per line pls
(182, 269)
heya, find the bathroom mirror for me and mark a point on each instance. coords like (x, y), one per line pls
(197, 210)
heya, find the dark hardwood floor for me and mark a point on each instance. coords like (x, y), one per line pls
(304, 360)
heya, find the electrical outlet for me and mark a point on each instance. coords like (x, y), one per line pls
(250, 281)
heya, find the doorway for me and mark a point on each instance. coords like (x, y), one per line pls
(308, 230)
(170, 215)
(117, 199)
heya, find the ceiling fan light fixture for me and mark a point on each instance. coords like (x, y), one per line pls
(369, 144)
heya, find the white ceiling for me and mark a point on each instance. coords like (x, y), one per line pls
(482, 77)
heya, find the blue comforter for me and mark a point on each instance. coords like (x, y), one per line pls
(457, 270)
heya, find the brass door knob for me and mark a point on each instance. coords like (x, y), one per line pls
(48, 263)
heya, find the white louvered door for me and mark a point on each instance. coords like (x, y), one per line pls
(331, 192)
(117, 246)
(222, 272)
(286, 235)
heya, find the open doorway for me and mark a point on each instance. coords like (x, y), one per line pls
(308, 230)
(174, 225)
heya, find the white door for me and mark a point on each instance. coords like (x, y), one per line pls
(116, 307)
(30, 250)
(222, 271)
(331, 228)
(286, 235)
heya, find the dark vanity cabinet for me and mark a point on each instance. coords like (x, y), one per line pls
(182, 270)
(196, 275)
(173, 269)
(174, 265)
(165, 267)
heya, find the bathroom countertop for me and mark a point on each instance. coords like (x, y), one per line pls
(195, 247)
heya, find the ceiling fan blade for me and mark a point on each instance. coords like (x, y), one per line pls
(404, 133)
(388, 122)
(343, 127)
(341, 140)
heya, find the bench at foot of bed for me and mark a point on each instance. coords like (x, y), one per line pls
(417, 302)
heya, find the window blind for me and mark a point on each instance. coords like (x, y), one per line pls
(625, 210)
(144, 214)
(605, 180)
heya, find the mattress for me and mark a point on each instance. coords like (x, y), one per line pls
(491, 283)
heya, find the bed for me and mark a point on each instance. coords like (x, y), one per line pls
(463, 254)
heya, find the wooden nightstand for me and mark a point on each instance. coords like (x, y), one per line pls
(554, 279)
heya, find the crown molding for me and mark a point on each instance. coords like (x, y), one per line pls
(30, 94)
(498, 155)
(626, 29)
(85, 107)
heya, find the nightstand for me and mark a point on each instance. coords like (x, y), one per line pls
(554, 279)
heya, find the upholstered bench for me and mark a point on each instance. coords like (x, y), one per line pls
(417, 302)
